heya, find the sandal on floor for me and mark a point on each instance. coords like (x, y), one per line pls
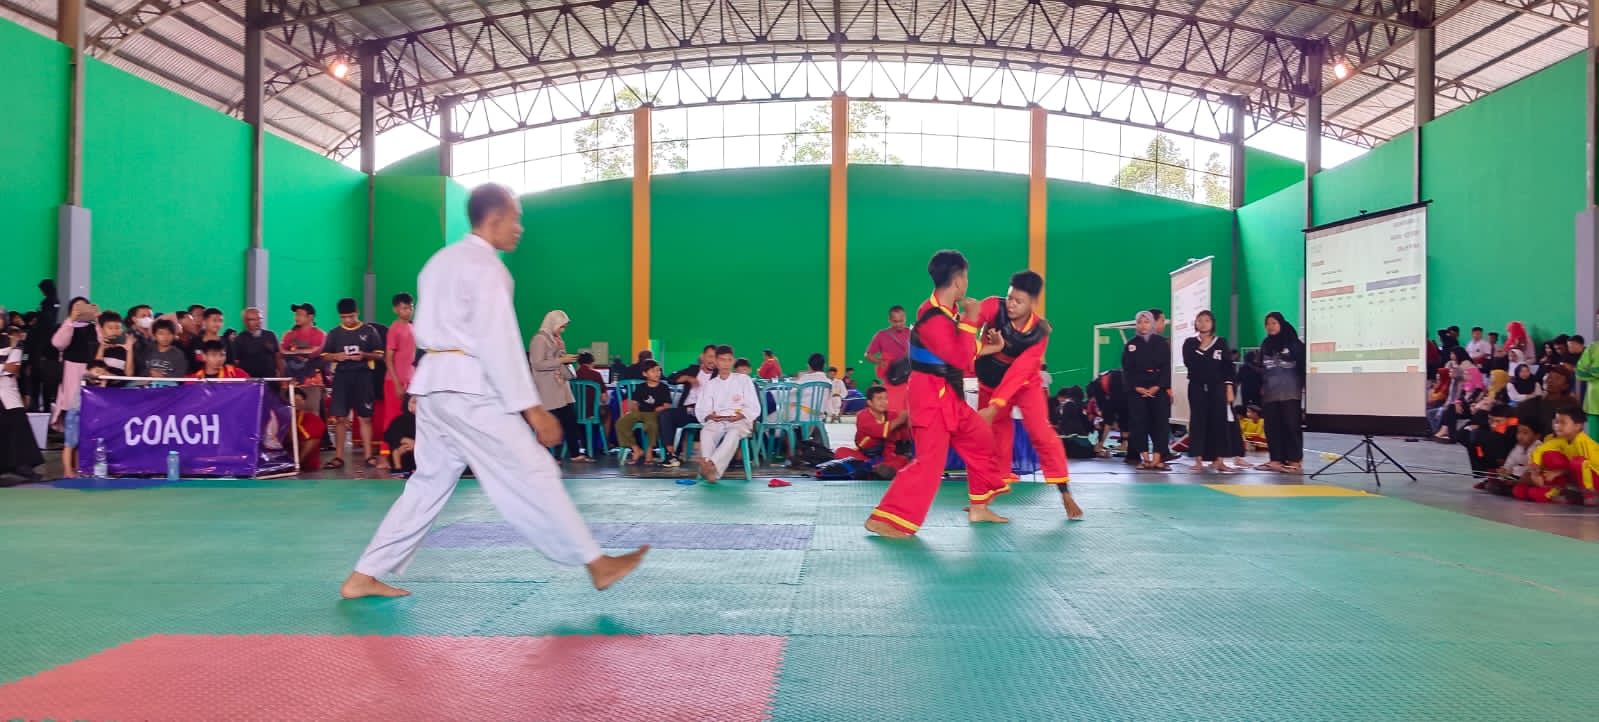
(1161, 466)
(371, 462)
(336, 463)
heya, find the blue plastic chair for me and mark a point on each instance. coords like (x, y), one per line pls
(746, 452)
(778, 417)
(810, 416)
(586, 396)
(625, 391)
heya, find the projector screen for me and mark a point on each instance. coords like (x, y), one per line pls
(1366, 322)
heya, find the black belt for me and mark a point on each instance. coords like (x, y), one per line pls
(954, 376)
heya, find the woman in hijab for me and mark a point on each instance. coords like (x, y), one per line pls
(1523, 385)
(1146, 369)
(1282, 387)
(1210, 395)
(552, 376)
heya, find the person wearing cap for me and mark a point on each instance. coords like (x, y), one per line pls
(477, 406)
(353, 348)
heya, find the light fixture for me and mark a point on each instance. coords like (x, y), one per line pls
(339, 68)
(1341, 69)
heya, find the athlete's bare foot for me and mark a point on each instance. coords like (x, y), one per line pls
(363, 585)
(708, 471)
(606, 570)
(978, 513)
(1073, 511)
(884, 529)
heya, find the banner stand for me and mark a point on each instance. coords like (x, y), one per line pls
(232, 428)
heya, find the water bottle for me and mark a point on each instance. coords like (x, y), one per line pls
(172, 465)
(100, 465)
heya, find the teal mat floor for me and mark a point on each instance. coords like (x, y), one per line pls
(1169, 602)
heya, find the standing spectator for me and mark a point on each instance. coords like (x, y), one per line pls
(400, 351)
(19, 451)
(1210, 395)
(116, 346)
(693, 381)
(889, 345)
(1518, 342)
(727, 410)
(210, 330)
(42, 371)
(139, 323)
(1146, 367)
(256, 350)
(1283, 356)
(352, 347)
(1586, 369)
(302, 356)
(552, 376)
(216, 366)
(649, 398)
(770, 369)
(78, 340)
(164, 360)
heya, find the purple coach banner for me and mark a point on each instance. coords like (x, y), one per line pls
(216, 428)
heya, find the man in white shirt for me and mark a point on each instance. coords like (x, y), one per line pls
(1480, 350)
(727, 409)
(674, 419)
(475, 404)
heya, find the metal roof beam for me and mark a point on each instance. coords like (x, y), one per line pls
(299, 12)
(1355, 15)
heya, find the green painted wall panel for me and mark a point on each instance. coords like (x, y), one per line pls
(575, 255)
(409, 228)
(1382, 178)
(898, 217)
(424, 162)
(168, 186)
(1111, 253)
(739, 257)
(32, 160)
(314, 228)
(1272, 244)
(1266, 173)
(1506, 177)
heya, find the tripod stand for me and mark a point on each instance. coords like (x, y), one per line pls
(1368, 445)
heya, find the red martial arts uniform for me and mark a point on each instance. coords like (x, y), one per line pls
(874, 443)
(940, 419)
(1011, 379)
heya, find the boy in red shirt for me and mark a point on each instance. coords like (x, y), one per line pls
(878, 430)
(1010, 378)
(216, 363)
(310, 427)
(943, 347)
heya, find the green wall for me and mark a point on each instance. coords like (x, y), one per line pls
(1380, 179)
(1506, 178)
(1110, 255)
(575, 255)
(899, 216)
(32, 160)
(1272, 245)
(409, 226)
(1266, 173)
(313, 226)
(738, 257)
(168, 186)
(424, 162)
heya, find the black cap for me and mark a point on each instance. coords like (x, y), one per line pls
(346, 305)
(306, 307)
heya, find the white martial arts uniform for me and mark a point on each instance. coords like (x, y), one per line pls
(721, 397)
(472, 387)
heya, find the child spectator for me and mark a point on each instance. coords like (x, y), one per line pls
(215, 354)
(310, 427)
(164, 360)
(1252, 426)
(116, 347)
(1564, 465)
(644, 408)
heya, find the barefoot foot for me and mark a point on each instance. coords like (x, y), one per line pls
(362, 585)
(1073, 511)
(978, 513)
(884, 529)
(606, 571)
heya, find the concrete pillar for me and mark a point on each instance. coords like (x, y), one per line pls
(447, 136)
(1315, 63)
(1235, 143)
(370, 87)
(1425, 45)
(256, 277)
(72, 235)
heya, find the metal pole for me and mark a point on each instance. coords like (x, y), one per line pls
(446, 136)
(1236, 186)
(1315, 63)
(256, 278)
(1425, 45)
(370, 87)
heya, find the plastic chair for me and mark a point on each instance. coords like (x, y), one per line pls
(746, 452)
(586, 396)
(810, 414)
(778, 416)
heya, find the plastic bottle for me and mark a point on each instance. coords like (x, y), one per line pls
(172, 465)
(101, 467)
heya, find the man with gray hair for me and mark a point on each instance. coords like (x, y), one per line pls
(255, 349)
(475, 405)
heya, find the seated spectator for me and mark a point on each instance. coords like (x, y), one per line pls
(19, 451)
(727, 409)
(835, 402)
(1564, 465)
(636, 371)
(742, 366)
(674, 419)
(1252, 426)
(1479, 349)
(1108, 395)
(1491, 441)
(649, 398)
(849, 378)
(1523, 385)
(214, 355)
(586, 372)
(1066, 415)
(401, 439)
(770, 369)
(310, 427)
(116, 346)
(164, 360)
(1539, 411)
(882, 436)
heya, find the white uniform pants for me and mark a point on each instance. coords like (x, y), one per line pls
(521, 479)
(719, 441)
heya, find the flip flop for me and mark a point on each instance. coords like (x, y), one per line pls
(336, 463)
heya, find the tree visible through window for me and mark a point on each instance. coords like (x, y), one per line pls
(1160, 170)
(865, 144)
(606, 144)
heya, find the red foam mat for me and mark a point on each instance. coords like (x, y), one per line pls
(294, 677)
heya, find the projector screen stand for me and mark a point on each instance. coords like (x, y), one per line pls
(1370, 449)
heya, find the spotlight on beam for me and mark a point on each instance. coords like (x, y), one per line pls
(1341, 69)
(339, 68)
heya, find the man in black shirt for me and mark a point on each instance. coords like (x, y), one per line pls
(353, 347)
(256, 349)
